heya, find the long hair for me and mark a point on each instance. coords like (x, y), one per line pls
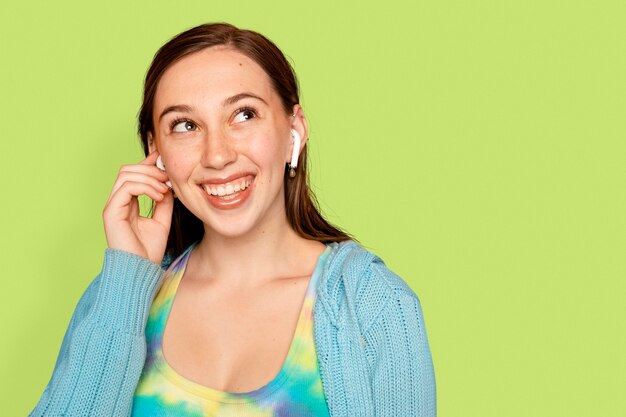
(302, 210)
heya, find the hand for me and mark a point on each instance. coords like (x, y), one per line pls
(125, 229)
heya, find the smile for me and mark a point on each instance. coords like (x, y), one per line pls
(228, 188)
(229, 194)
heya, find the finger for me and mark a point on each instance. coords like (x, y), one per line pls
(163, 210)
(151, 170)
(121, 199)
(125, 177)
(150, 159)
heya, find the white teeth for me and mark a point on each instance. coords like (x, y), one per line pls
(228, 189)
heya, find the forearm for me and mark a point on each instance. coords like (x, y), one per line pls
(104, 349)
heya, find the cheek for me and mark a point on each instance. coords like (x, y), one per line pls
(178, 166)
(270, 149)
(272, 159)
(268, 155)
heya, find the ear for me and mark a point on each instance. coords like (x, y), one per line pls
(151, 145)
(299, 124)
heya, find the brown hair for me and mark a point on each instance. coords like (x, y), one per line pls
(301, 206)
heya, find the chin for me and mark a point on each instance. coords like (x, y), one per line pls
(229, 229)
(244, 219)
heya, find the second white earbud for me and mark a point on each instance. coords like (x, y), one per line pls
(297, 140)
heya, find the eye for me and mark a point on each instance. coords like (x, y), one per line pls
(244, 114)
(182, 126)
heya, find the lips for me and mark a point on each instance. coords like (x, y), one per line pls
(230, 192)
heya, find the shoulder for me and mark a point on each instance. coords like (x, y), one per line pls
(358, 280)
(361, 272)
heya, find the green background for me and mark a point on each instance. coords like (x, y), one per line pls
(477, 146)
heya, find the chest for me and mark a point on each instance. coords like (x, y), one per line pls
(233, 341)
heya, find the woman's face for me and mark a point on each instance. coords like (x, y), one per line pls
(224, 138)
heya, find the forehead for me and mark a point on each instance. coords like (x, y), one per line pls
(210, 75)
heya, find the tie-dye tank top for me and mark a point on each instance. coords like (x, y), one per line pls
(295, 391)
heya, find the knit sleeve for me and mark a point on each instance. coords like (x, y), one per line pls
(103, 351)
(403, 379)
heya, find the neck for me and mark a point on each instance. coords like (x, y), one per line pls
(257, 257)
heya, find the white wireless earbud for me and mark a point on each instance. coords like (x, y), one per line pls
(297, 140)
(159, 164)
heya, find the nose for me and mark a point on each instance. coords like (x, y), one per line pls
(218, 150)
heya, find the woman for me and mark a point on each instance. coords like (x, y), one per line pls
(265, 308)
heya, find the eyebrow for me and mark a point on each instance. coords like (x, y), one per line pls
(241, 96)
(179, 107)
(183, 108)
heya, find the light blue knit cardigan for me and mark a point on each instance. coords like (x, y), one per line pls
(369, 333)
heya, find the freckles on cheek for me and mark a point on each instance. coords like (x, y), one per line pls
(173, 169)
